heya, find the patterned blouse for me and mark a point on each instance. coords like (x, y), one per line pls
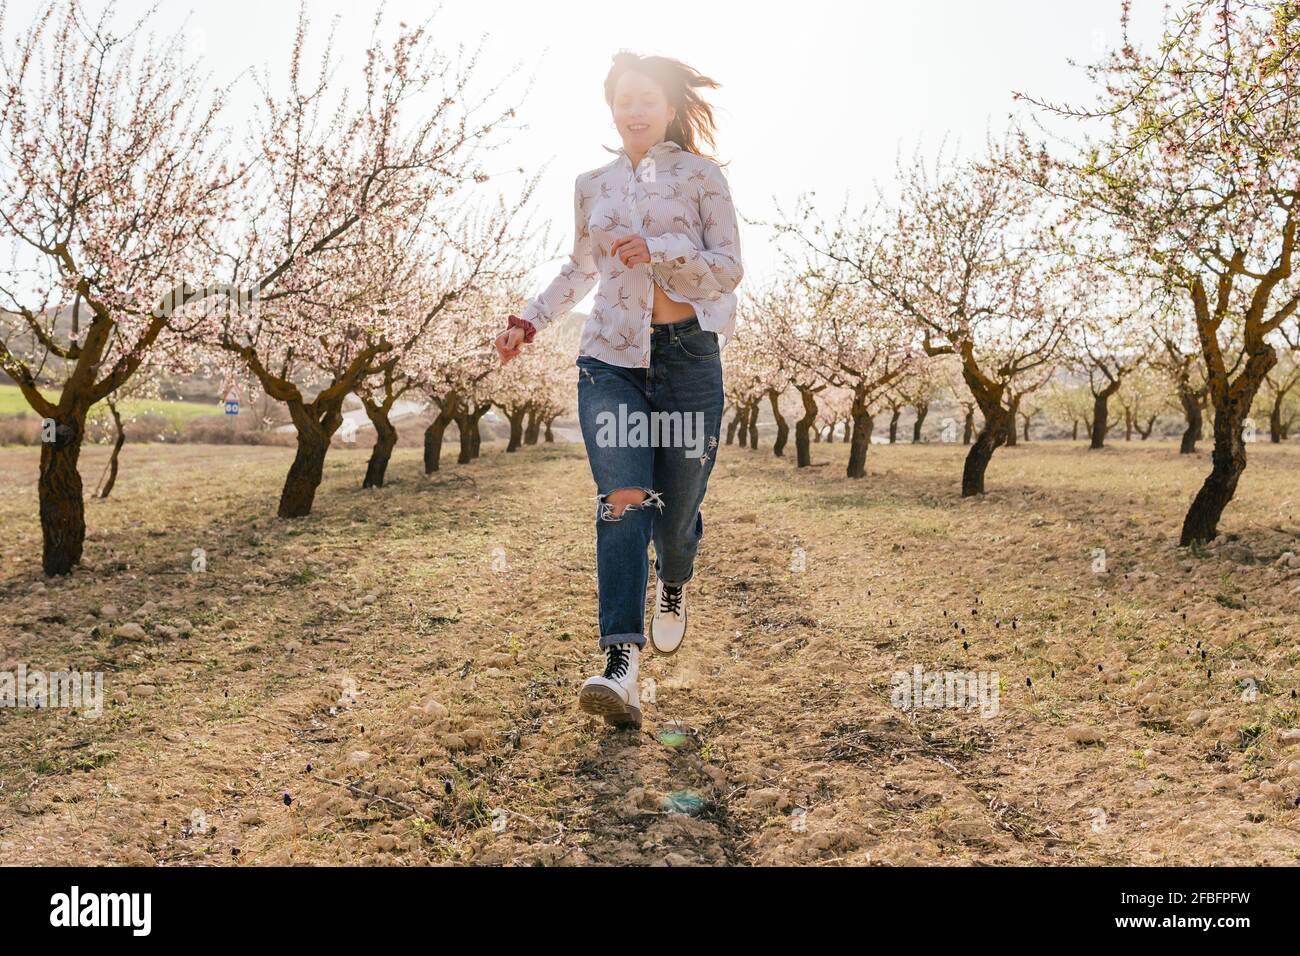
(681, 204)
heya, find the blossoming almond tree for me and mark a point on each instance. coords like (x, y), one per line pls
(111, 183)
(965, 256)
(865, 349)
(337, 190)
(446, 268)
(1197, 171)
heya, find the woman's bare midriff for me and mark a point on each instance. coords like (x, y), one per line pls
(665, 310)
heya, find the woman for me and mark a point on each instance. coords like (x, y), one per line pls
(656, 229)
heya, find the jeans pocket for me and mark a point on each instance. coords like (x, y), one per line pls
(697, 343)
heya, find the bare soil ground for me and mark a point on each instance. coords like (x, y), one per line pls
(392, 680)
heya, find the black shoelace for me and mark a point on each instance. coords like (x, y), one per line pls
(616, 658)
(670, 602)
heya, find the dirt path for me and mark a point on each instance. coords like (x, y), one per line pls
(392, 679)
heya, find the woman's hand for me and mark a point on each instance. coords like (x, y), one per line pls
(631, 250)
(509, 344)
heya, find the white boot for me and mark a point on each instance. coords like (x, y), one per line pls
(613, 695)
(668, 626)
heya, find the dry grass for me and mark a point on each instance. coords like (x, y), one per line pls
(433, 699)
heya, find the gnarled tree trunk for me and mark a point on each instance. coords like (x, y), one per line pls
(1231, 407)
(63, 511)
(860, 442)
(308, 468)
(922, 409)
(434, 433)
(803, 427)
(782, 426)
(385, 441)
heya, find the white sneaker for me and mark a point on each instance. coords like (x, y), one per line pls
(613, 695)
(668, 626)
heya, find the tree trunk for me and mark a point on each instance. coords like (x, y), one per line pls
(1128, 425)
(1275, 420)
(1012, 413)
(107, 487)
(1025, 435)
(922, 409)
(385, 442)
(731, 428)
(1229, 456)
(802, 447)
(893, 425)
(860, 443)
(534, 427)
(753, 425)
(991, 436)
(308, 466)
(476, 438)
(466, 442)
(433, 437)
(516, 419)
(63, 511)
(968, 433)
(549, 435)
(848, 428)
(1074, 434)
(1101, 415)
(782, 426)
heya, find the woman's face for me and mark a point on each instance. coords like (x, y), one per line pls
(641, 111)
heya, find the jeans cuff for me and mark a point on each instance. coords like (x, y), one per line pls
(609, 640)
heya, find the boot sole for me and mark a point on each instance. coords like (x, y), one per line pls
(658, 649)
(603, 702)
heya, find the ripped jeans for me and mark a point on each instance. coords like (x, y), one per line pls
(653, 430)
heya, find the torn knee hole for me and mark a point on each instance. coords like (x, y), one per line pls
(615, 503)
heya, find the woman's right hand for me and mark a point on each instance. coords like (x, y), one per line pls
(509, 344)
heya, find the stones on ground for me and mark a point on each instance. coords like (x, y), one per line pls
(1197, 717)
(130, 631)
(771, 797)
(453, 742)
(1289, 738)
(144, 690)
(359, 758)
(1240, 553)
(1081, 734)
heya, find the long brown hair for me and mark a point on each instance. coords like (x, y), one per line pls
(693, 123)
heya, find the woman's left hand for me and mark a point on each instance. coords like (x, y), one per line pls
(631, 250)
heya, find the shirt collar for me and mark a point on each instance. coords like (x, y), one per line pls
(664, 145)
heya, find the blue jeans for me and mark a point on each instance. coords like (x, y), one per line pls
(655, 430)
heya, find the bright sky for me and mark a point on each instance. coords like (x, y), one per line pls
(817, 95)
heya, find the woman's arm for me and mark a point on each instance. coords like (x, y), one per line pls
(576, 278)
(708, 273)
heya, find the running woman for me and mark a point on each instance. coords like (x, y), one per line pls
(655, 232)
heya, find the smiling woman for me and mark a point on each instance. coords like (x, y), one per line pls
(656, 230)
